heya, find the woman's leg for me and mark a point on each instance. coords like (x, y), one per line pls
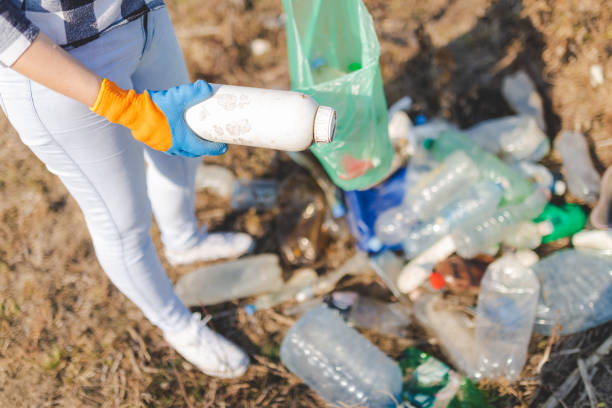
(171, 179)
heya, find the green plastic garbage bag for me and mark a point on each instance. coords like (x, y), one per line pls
(333, 56)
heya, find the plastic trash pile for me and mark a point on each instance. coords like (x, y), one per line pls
(459, 216)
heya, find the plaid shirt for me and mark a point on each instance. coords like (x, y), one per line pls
(69, 23)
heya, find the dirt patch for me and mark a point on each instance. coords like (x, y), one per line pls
(69, 338)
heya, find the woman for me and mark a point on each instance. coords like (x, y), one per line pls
(67, 66)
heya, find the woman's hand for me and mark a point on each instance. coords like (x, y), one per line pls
(156, 117)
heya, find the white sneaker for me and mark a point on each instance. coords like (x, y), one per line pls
(207, 350)
(213, 246)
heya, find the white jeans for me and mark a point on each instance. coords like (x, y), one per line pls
(103, 167)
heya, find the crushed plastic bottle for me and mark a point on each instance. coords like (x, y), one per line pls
(504, 318)
(474, 237)
(221, 282)
(582, 179)
(516, 188)
(259, 194)
(460, 276)
(371, 314)
(526, 235)
(520, 93)
(340, 364)
(511, 137)
(424, 200)
(576, 291)
(453, 329)
(476, 201)
(216, 178)
(416, 272)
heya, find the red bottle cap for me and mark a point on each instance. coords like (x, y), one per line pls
(436, 280)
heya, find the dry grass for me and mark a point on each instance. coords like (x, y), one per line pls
(69, 338)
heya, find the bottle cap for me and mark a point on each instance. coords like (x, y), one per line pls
(436, 280)
(324, 124)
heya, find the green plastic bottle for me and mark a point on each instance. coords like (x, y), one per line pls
(516, 188)
(565, 220)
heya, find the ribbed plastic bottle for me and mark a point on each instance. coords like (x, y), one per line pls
(504, 318)
(340, 364)
(576, 291)
(516, 188)
(424, 200)
(218, 283)
(473, 237)
(477, 201)
(582, 179)
(273, 119)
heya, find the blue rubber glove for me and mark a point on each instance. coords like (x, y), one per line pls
(173, 102)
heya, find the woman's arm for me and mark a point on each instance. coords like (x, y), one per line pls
(48, 64)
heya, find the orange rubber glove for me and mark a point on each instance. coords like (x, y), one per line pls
(156, 117)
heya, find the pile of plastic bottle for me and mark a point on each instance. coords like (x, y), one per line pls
(461, 213)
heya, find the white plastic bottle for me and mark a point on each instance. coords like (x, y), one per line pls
(274, 119)
(504, 318)
(340, 364)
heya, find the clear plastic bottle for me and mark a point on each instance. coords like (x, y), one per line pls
(269, 118)
(476, 201)
(576, 291)
(511, 137)
(340, 364)
(300, 280)
(582, 179)
(221, 282)
(306, 284)
(521, 94)
(260, 194)
(424, 200)
(473, 237)
(504, 318)
(516, 187)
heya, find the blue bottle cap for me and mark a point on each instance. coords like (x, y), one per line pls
(249, 310)
(317, 62)
(420, 120)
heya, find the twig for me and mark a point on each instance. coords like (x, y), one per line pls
(182, 388)
(551, 341)
(571, 381)
(588, 386)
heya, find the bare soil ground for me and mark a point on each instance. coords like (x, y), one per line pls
(69, 338)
